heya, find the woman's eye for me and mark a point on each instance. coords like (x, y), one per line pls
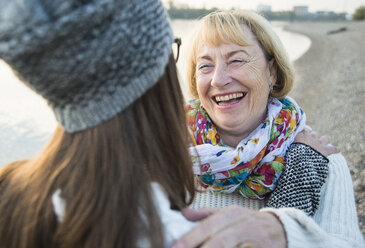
(204, 66)
(236, 61)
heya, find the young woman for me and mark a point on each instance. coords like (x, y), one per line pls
(117, 168)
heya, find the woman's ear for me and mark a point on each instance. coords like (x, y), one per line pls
(273, 69)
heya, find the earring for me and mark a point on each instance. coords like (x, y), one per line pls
(271, 87)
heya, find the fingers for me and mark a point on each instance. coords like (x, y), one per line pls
(234, 227)
(332, 150)
(317, 142)
(246, 246)
(324, 140)
(196, 215)
(200, 233)
(327, 148)
(213, 226)
(314, 134)
(195, 237)
(305, 136)
(230, 237)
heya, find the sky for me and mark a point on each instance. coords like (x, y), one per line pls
(348, 6)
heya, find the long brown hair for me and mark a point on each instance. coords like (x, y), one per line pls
(105, 175)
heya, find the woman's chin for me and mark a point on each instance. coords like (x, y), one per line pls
(232, 126)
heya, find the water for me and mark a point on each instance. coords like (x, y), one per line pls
(26, 122)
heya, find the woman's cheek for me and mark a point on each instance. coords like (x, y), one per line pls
(202, 82)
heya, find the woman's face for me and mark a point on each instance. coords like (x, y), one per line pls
(233, 84)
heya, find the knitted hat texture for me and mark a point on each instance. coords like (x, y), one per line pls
(89, 59)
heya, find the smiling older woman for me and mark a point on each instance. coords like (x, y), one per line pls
(246, 132)
(242, 123)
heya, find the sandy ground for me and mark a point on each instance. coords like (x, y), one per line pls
(330, 87)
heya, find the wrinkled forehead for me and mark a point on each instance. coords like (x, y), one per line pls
(215, 34)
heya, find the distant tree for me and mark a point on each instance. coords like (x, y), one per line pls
(359, 13)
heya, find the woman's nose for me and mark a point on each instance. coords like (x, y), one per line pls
(221, 76)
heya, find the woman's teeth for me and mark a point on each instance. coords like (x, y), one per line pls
(229, 99)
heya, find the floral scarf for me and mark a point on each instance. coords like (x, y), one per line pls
(255, 165)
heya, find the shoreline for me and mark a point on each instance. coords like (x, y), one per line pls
(330, 87)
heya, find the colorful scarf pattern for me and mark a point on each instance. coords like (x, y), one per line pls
(255, 165)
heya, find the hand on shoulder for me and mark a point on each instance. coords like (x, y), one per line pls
(233, 226)
(318, 143)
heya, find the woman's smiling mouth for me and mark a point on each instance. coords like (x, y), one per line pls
(228, 99)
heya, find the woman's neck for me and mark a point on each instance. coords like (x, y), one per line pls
(233, 137)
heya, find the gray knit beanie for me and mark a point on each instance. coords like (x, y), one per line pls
(90, 59)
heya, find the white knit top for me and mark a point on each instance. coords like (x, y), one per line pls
(218, 200)
(334, 224)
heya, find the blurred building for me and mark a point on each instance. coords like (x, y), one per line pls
(263, 8)
(300, 10)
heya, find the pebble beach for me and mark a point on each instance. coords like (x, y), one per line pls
(330, 87)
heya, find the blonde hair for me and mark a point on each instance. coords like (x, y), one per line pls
(225, 27)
